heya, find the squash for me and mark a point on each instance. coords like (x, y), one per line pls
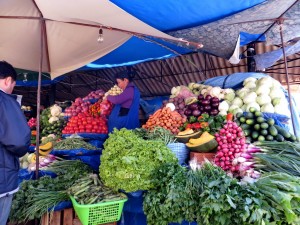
(187, 137)
(46, 147)
(205, 147)
(205, 143)
(205, 137)
(186, 132)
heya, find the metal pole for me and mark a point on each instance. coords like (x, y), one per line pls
(39, 102)
(287, 76)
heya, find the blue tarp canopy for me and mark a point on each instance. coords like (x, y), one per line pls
(169, 16)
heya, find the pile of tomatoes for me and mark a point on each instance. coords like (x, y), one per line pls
(84, 122)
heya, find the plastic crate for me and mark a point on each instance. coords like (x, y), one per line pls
(100, 213)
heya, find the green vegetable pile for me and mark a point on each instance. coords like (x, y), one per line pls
(36, 197)
(128, 161)
(209, 196)
(278, 156)
(73, 143)
(90, 190)
(51, 128)
(156, 134)
(257, 128)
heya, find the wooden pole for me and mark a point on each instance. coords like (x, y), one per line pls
(287, 76)
(39, 101)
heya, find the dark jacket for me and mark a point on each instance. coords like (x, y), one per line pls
(14, 141)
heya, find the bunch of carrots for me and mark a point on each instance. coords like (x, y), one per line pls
(165, 118)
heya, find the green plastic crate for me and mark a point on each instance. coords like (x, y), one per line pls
(100, 213)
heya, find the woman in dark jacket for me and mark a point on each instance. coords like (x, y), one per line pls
(14, 139)
(125, 113)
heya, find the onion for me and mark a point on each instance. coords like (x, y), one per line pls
(196, 112)
(200, 97)
(208, 97)
(193, 106)
(205, 102)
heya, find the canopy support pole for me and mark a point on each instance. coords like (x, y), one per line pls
(39, 102)
(287, 75)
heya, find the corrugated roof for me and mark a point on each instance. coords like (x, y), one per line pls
(156, 78)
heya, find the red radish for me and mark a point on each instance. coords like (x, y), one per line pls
(231, 141)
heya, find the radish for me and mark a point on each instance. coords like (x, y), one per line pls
(231, 141)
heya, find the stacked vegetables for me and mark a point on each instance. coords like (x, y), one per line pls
(94, 95)
(115, 90)
(28, 161)
(86, 123)
(264, 94)
(231, 141)
(128, 161)
(52, 121)
(209, 196)
(170, 120)
(79, 105)
(90, 190)
(256, 127)
(178, 102)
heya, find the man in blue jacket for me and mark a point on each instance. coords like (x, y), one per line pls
(14, 139)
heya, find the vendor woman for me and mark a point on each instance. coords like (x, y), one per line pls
(125, 113)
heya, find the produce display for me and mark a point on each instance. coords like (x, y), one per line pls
(256, 127)
(90, 190)
(207, 104)
(178, 103)
(166, 118)
(94, 95)
(209, 196)
(253, 179)
(28, 161)
(52, 121)
(205, 122)
(78, 106)
(30, 201)
(115, 90)
(186, 135)
(205, 143)
(231, 141)
(73, 143)
(156, 134)
(128, 161)
(267, 156)
(86, 123)
(264, 94)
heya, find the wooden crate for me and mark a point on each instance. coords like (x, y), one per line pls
(64, 217)
(200, 157)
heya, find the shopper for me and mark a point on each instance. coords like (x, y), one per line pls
(14, 139)
(125, 113)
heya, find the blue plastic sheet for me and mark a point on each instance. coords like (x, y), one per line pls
(92, 160)
(151, 105)
(24, 174)
(89, 136)
(133, 213)
(61, 206)
(75, 152)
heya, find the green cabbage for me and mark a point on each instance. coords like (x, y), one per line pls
(250, 97)
(263, 99)
(268, 108)
(237, 101)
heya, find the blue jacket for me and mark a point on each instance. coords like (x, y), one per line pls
(14, 141)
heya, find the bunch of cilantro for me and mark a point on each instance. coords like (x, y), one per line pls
(128, 161)
(209, 196)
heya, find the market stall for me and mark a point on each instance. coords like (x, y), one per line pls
(252, 176)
